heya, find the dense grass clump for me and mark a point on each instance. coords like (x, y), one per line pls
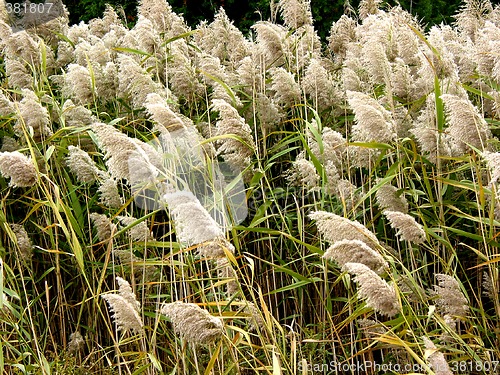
(192, 201)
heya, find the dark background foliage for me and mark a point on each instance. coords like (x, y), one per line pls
(246, 13)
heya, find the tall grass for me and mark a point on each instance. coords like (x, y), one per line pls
(194, 201)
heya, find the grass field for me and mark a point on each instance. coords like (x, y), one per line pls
(180, 200)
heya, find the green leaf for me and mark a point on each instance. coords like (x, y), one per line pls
(296, 285)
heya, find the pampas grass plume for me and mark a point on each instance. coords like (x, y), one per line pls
(76, 342)
(296, 13)
(257, 321)
(105, 228)
(435, 358)
(388, 198)
(226, 271)
(9, 144)
(125, 307)
(162, 114)
(139, 232)
(19, 168)
(407, 228)
(23, 241)
(78, 84)
(373, 122)
(6, 106)
(355, 251)
(193, 323)
(378, 294)
(490, 288)
(270, 44)
(337, 228)
(109, 194)
(287, 90)
(304, 173)
(449, 297)
(467, 126)
(342, 33)
(235, 152)
(33, 115)
(195, 226)
(124, 154)
(368, 7)
(493, 163)
(81, 164)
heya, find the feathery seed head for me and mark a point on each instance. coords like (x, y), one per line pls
(356, 251)
(376, 62)
(124, 154)
(490, 288)
(161, 14)
(256, 320)
(23, 241)
(117, 146)
(125, 307)
(78, 84)
(76, 115)
(76, 342)
(450, 299)
(235, 152)
(6, 106)
(194, 225)
(225, 270)
(337, 228)
(431, 142)
(106, 82)
(193, 323)
(287, 90)
(321, 87)
(32, 115)
(467, 127)
(4, 16)
(407, 228)
(373, 122)
(139, 232)
(91, 54)
(101, 26)
(78, 31)
(493, 163)
(304, 173)
(19, 168)
(268, 113)
(24, 48)
(472, 16)
(145, 36)
(435, 358)
(378, 294)
(270, 42)
(368, 7)
(342, 33)
(371, 328)
(388, 198)
(109, 194)
(223, 40)
(81, 164)
(334, 147)
(162, 114)
(136, 82)
(296, 13)
(9, 144)
(105, 228)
